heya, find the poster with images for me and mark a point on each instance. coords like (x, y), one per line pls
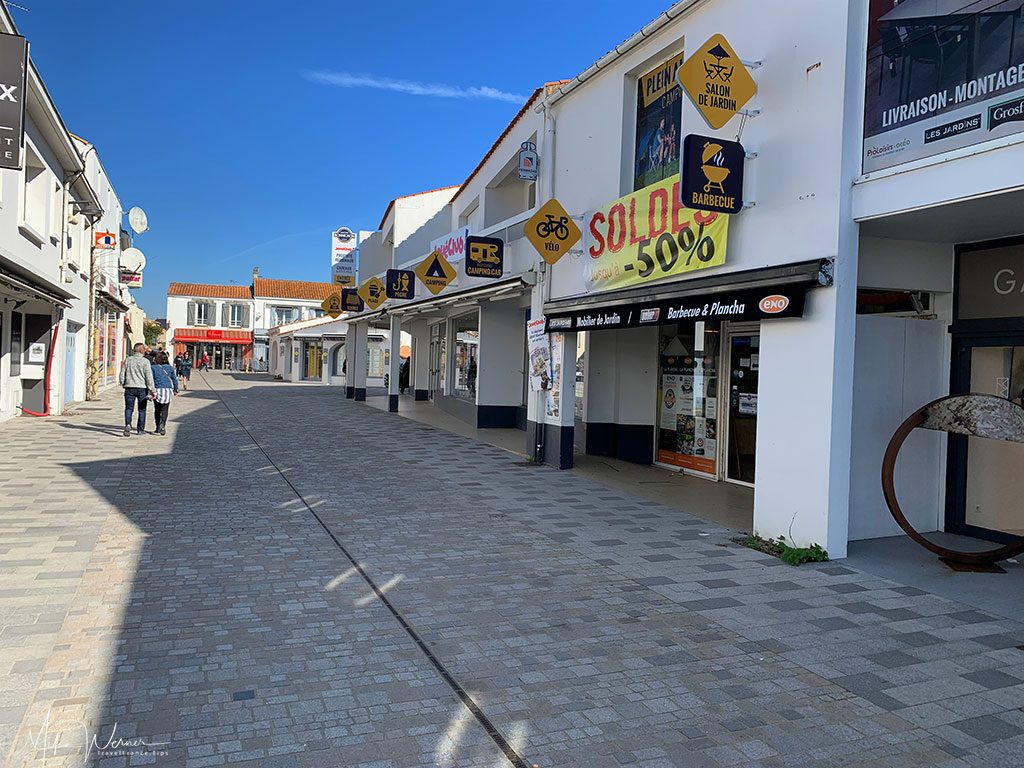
(554, 394)
(539, 349)
(658, 124)
(939, 77)
(685, 426)
(670, 401)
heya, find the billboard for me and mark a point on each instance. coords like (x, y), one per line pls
(13, 69)
(658, 117)
(940, 76)
(344, 246)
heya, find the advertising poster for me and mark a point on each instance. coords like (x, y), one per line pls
(940, 76)
(686, 415)
(539, 350)
(670, 401)
(658, 117)
(648, 235)
(554, 393)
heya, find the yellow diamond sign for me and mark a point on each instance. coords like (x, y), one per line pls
(552, 232)
(332, 305)
(435, 272)
(372, 292)
(717, 81)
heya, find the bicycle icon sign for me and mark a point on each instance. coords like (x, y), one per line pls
(552, 231)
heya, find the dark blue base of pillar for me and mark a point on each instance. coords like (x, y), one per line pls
(421, 395)
(360, 395)
(393, 403)
(350, 392)
(558, 444)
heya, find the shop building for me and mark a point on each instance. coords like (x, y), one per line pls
(314, 351)
(231, 323)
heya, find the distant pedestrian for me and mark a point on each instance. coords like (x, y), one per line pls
(204, 362)
(184, 370)
(137, 379)
(166, 388)
(403, 376)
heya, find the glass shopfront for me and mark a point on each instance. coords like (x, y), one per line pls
(466, 330)
(688, 396)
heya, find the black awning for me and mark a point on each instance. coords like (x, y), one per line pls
(762, 294)
(112, 300)
(33, 287)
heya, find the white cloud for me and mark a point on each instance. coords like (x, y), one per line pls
(440, 90)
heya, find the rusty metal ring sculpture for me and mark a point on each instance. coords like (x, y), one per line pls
(971, 415)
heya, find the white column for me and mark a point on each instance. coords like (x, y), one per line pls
(559, 415)
(395, 363)
(357, 369)
(420, 378)
(500, 366)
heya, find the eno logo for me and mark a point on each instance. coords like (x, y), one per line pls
(773, 304)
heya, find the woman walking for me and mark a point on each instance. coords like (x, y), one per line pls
(184, 370)
(166, 382)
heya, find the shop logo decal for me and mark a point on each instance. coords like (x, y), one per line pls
(559, 323)
(1007, 112)
(773, 304)
(650, 315)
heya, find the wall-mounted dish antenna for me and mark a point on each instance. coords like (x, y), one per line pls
(133, 260)
(137, 220)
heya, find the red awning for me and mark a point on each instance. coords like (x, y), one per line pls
(214, 335)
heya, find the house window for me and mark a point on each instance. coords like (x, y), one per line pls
(35, 197)
(202, 313)
(282, 315)
(236, 316)
(316, 313)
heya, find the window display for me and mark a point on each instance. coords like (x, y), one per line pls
(467, 346)
(687, 396)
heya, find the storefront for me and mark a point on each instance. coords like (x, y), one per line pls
(694, 355)
(109, 341)
(227, 350)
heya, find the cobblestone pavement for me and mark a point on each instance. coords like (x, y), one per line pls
(187, 590)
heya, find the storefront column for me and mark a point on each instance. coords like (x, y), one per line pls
(395, 362)
(359, 360)
(805, 399)
(420, 378)
(350, 345)
(551, 413)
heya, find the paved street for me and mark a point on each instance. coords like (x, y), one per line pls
(199, 593)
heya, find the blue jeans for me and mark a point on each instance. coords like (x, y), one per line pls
(131, 394)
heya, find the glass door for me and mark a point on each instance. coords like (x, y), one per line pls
(986, 482)
(743, 355)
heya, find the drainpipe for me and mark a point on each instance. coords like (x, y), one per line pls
(545, 191)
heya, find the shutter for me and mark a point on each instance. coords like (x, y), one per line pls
(191, 313)
(245, 315)
(225, 315)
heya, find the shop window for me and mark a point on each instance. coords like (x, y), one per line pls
(35, 197)
(338, 361)
(688, 396)
(467, 349)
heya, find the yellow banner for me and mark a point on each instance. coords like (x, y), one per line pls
(660, 81)
(648, 235)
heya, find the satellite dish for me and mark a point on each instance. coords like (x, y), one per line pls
(133, 260)
(137, 220)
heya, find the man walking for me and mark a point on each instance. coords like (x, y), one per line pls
(137, 379)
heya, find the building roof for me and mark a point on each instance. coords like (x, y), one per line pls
(546, 88)
(209, 291)
(292, 289)
(414, 194)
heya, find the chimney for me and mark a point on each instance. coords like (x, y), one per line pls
(255, 274)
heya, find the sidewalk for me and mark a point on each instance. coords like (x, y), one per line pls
(203, 604)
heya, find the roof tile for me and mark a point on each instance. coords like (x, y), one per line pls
(209, 291)
(292, 289)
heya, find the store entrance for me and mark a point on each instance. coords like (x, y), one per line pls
(985, 481)
(437, 359)
(743, 348)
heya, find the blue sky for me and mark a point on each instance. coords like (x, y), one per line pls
(248, 130)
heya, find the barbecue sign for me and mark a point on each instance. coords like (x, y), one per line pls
(717, 81)
(712, 174)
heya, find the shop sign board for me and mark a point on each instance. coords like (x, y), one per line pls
(717, 81)
(765, 303)
(990, 283)
(372, 292)
(539, 351)
(552, 232)
(648, 235)
(527, 169)
(485, 256)
(105, 240)
(712, 174)
(344, 246)
(13, 73)
(350, 301)
(908, 117)
(435, 272)
(131, 279)
(400, 284)
(332, 305)
(453, 245)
